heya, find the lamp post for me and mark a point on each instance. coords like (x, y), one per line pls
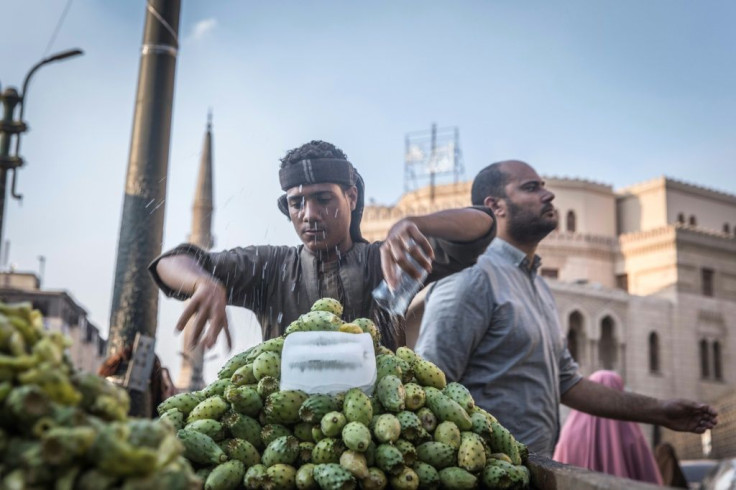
(9, 128)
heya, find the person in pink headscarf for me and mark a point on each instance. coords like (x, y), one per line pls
(606, 445)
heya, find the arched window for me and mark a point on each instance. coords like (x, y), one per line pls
(704, 364)
(693, 221)
(570, 221)
(607, 346)
(681, 218)
(717, 371)
(653, 352)
(726, 228)
(576, 336)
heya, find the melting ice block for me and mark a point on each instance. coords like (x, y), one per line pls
(328, 362)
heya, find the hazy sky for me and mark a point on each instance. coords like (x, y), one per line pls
(613, 91)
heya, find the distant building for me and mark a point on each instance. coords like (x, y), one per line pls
(61, 313)
(191, 374)
(645, 283)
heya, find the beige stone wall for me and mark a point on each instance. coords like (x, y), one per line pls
(642, 207)
(593, 205)
(711, 209)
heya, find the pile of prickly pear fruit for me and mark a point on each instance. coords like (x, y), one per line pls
(63, 429)
(416, 431)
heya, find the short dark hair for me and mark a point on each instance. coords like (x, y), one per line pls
(313, 149)
(491, 181)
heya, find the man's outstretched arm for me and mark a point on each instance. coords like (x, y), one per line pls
(409, 236)
(207, 297)
(676, 414)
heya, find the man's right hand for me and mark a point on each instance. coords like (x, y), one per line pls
(206, 306)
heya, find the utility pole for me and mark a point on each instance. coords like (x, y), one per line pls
(135, 296)
(11, 128)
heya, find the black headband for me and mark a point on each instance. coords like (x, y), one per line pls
(320, 170)
(317, 171)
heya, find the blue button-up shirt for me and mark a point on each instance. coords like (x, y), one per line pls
(494, 328)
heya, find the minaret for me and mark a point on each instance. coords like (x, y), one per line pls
(191, 375)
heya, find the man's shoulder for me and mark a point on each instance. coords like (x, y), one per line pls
(467, 282)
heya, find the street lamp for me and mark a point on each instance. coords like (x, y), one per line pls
(10, 127)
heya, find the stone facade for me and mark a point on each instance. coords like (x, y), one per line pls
(61, 313)
(644, 278)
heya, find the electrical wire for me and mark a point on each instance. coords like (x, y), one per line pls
(60, 22)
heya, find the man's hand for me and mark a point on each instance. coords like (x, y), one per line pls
(404, 239)
(688, 416)
(207, 304)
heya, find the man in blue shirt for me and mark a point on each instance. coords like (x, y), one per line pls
(494, 327)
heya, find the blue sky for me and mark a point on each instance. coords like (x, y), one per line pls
(612, 91)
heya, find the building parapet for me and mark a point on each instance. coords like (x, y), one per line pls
(674, 184)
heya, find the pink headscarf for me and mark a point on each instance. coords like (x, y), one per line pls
(606, 445)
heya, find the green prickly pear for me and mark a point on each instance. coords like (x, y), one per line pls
(461, 395)
(234, 363)
(244, 375)
(305, 452)
(255, 477)
(267, 364)
(303, 432)
(200, 448)
(437, 454)
(282, 407)
(328, 450)
(391, 393)
(408, 450)
(225, 476)
(389, 459)
(305, 477)
(410, 425)
(266, 386)
(455, 478)
(241, 450)
(448, 433)
(428, 374)
(471, 455)
(213, 407)
(211, 427)
(448, 409)
(357, 407)
(185, 402)
(175, 417)
(503, 442)
(356, 437)
(284, 449)
(332, 476)
(244, 399)
(283, 476)
(316, 406)
(244, 427)
(355, 463)
(376, 480)
(320, 321)
(407, 479)
(408, 355)
(271, 432)
(369, 327)
(388, 364)
(415, 397)
(429, 477)
(328, 304)
(215, 388)
(332, 424)
(387, 428)
(481, 425)
(428, 419)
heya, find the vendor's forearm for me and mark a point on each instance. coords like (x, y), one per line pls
(602, 401)
(458, 225)
(181, 272)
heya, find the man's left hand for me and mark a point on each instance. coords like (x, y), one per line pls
(688, 416)
(404, 239)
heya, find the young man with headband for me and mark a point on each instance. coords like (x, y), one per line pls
(324, 199)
